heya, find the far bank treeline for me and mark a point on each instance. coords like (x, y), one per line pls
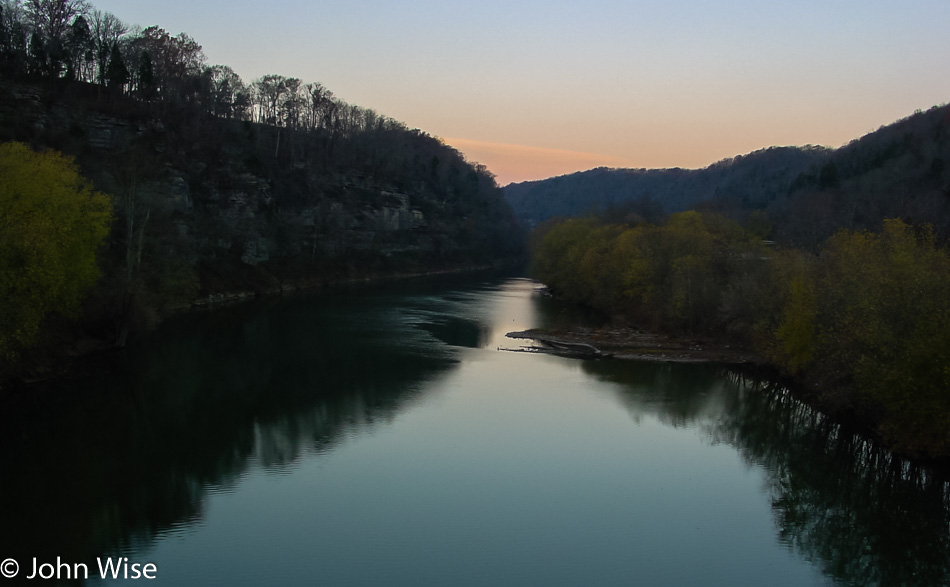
(864, 323)
(218, 186)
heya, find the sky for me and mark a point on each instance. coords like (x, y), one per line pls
(534, 89)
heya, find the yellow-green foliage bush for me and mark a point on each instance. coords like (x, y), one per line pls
(884, 319)
(51, 223)
(671, 275)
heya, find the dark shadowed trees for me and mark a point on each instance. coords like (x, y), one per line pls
(50, 20)
(105, 30)
(80, 51)
(176, 61)
(117, 74)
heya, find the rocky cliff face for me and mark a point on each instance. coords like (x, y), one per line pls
(200, 196)
(383, 222)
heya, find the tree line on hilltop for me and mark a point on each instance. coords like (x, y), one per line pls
(216, 185)
(69, 40)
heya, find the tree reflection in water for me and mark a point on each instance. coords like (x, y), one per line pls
(107, 465)
(840, 500)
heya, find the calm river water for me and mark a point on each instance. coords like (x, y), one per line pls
(382, 438)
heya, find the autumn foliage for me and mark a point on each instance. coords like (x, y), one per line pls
(866, 321)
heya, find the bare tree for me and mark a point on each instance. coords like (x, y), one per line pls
(315, 96)
(79, 50)
(291, 103)
(176, 61)
(13, 37)
(268, 94)
(320, 106)
(106, 30)
(12, 11)
(52, 17)
(225, 87)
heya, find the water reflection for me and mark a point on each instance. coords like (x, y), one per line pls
(110, 463)
(456, 331)
(839, 500)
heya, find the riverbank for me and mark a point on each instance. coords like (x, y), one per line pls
(626, 343)
(74, 350)
(634, 344)
(278, 287)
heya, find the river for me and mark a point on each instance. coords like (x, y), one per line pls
(385, 437)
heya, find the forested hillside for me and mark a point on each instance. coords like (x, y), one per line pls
(218, 186)
(755, 177)
(864, 326)
(806, 193)
(832, 264)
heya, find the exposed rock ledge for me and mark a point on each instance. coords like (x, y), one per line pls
(629, 343)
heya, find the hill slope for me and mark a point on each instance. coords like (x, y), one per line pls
(753, 177)
(207, 205)
(901, 170)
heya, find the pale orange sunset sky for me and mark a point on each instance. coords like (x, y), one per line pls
(534, 89)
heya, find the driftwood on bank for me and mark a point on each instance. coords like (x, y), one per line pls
(630, 343)
(558, 347)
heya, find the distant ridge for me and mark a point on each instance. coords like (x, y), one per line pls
(900, 170)
(755, 176)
